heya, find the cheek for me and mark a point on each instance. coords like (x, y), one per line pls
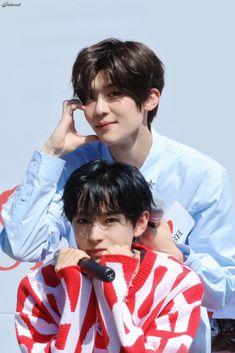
(123, 236)
(81, 242)
(131, 114)
(80, 237)
(89, 112)
(128, 104)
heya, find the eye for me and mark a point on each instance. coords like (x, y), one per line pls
(113, 94)
(111, 219)
(82, 221)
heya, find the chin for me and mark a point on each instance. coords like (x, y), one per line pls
(108, 140)
(113, 140)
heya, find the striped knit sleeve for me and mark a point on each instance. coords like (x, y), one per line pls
(50, 316)
(158, 312)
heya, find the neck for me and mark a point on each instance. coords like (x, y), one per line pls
(134, 150)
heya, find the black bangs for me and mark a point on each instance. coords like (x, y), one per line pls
(96, 200)
(100, 187)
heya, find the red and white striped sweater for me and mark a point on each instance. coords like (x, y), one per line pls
(69, 312)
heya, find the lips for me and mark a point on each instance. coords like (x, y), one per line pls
(96, 252)
(103, 125)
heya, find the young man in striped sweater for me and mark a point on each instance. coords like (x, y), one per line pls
(152, 305)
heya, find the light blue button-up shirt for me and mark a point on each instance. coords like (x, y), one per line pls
(34, 221)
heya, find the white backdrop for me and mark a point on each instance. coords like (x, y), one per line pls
(39, 41)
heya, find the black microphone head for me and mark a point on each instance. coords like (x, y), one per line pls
(94, 269)
(109, 274)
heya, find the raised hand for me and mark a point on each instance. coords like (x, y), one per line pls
(65, 137)
(160, 239)
(68, 257)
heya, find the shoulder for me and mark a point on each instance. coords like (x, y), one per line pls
(84, 154)
(186, 158)
(165, 266)
(175, 271)
(87, 152)
(169, 278)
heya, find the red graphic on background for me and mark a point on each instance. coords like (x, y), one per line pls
(16, 264)
(37, 265)
(3, 199)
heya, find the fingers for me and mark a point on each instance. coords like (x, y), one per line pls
(68, 257)
(73, 104)
(65, 138)
(69, 106)
(160, 239)
(164, 227)
(156, 237)
(67, 120)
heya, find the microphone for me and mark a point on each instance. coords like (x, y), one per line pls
(94, 269)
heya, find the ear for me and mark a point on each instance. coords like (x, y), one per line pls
(152, 100)
(141, 224)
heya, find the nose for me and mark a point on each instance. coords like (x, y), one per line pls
(101, 106)
(96, 232)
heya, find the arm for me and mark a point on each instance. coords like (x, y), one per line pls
(158, 316)
(32, 218)
(210, 246)
(55, 314)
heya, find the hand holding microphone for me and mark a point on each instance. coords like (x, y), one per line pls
(94, 269)
(71, 257)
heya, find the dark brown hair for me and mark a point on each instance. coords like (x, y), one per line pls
(130, 66)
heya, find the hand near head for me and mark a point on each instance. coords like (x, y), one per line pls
(65, 137)
(68, 257)
(160, 239)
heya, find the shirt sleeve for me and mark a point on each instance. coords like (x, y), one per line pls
(50, 316)
(33, 216)
(149, 324)
(211, 244)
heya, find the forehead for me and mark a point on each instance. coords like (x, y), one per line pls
(93, 208)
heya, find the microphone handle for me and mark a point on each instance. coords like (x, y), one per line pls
(94, 269)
